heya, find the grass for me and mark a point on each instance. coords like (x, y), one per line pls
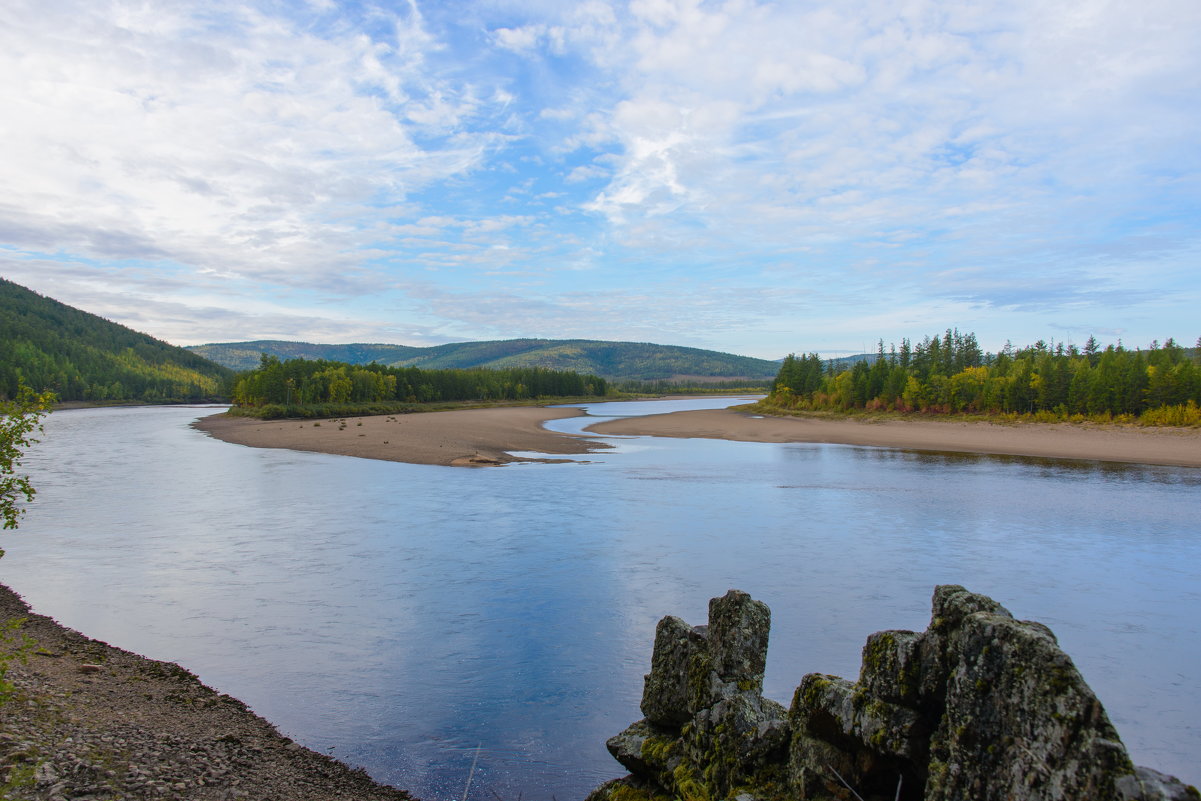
(13, 646)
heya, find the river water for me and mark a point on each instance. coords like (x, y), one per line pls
(415, 619)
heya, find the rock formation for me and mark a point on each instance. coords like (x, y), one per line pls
(978, 706)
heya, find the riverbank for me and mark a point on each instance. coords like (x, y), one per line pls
(459, 438)
(1163, 446)
(88, 720)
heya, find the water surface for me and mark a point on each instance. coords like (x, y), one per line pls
(402, 617)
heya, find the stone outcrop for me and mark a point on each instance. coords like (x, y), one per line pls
(978, 706)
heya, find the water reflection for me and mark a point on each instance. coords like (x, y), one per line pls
(1114, 472)
(401, 616)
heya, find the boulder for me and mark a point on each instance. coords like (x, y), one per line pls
(738, 629)
(978, 706)
(671, 692)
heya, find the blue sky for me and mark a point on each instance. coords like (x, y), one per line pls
(752, 177)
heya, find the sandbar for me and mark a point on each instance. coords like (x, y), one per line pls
(457, 438)
(1161, 446)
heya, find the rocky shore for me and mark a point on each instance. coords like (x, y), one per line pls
(979, 706)
(90, 722)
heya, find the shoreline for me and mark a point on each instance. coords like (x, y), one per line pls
(455, 438)
(88, 719)
(1176, 447)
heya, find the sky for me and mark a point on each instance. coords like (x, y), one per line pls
(753, 177)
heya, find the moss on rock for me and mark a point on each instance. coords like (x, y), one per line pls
(978, 706)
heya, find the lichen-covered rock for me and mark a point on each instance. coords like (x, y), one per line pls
(1019, 721)
(735, 740)
(626, 747)
(844, 737)
(738, 630)
(628, 789)
(892, 666)
(978, 706)
(1151, 785)
(708, 729)
(672, 692)
(838, 710)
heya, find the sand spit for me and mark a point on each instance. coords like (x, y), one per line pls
(460, 438)
(1163, 446)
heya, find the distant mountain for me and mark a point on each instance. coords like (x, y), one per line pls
(246, 355)
(612, 360)
(82, 357)
(847, 362)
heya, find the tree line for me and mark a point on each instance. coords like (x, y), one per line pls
(304, 382)
(951, 374)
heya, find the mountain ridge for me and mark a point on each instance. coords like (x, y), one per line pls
(639, 361)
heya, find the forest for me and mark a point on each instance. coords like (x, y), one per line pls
(951, 374)
(47, 345)
(616, 361)
(283, 388)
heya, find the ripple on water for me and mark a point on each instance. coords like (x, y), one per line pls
(402, 616)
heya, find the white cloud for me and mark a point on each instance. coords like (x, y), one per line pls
(787, 121)
(188, 309)
(518, 39)
(751, 146)
(217, 137)
(586, 172)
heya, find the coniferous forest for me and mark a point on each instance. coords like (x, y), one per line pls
(49, 346)
(951, 374)
(310, 388)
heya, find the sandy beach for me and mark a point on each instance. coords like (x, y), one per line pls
(459, 438)
(1165, 446)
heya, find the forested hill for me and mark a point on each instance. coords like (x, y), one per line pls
(81, 357)
(247, 355)
(610, 360)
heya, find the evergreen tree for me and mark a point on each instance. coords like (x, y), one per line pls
(1045, 377)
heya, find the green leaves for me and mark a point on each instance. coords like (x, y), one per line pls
(19, 421)
(951, 375)
(49, 345)
(300, 382)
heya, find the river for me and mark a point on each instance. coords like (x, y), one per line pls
(416, 619)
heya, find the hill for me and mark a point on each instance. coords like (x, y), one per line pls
(82, 357)
(611, 360)
(841, 363)
(246, 355)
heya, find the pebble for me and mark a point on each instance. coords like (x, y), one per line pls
(129, 737)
